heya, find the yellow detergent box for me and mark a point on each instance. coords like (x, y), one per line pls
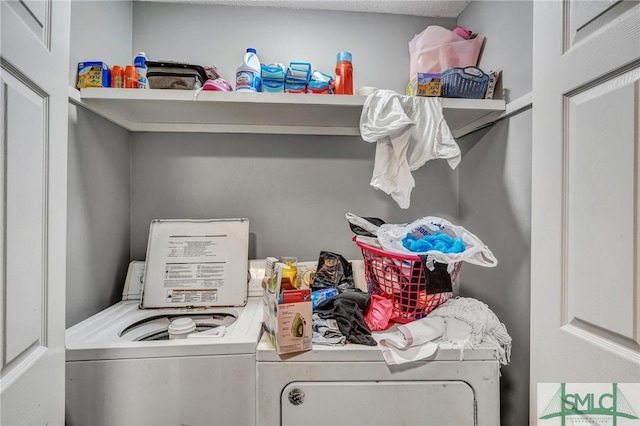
(287, 315)
(425, 84)
(93, 74)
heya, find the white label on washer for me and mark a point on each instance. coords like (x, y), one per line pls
(191, 296)
(208, 258)
(191, 262)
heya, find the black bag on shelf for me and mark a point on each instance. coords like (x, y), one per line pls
(175, 75)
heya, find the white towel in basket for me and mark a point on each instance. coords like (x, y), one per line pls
(410, 342)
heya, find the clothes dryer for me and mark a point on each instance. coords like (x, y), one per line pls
(353, 385)
(124, 368)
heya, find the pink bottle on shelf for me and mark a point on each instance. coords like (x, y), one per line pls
(344, 74)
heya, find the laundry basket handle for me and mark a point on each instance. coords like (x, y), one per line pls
(476, 72)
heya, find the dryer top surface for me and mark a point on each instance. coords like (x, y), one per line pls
(353, 352)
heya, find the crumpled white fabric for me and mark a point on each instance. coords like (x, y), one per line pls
(408, 131)
(469, 322)
(410, 342)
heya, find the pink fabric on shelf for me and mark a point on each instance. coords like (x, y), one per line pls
(380, 312)
(436, 49)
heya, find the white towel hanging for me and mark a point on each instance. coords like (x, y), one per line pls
(408, 131)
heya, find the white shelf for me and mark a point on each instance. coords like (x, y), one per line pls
(281, 113)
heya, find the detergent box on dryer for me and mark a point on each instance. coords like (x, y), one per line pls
(287, 314)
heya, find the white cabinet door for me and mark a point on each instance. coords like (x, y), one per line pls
(585, 250)
(33, 160)
(427, 403)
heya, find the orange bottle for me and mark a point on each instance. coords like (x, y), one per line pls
(130, 77)
(117, 76)
(344, 74)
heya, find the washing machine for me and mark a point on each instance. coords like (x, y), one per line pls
(179, 349)
(353, 385)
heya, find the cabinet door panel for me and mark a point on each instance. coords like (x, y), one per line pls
(33, 169)
(24, 153)
(585, 268)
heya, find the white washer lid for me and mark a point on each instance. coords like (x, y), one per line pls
(196, 263)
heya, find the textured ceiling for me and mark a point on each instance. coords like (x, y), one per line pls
(430, 8)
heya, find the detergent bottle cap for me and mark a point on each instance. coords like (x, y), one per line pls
(344, 56)
(251, 50)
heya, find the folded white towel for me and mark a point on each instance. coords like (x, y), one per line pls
(408, 131)
(410, 342)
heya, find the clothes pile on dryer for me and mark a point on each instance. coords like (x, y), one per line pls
(462, 323)
(346, 309)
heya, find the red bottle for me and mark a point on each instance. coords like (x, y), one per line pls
(344, 74)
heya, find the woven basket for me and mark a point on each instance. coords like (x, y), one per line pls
(467, 82)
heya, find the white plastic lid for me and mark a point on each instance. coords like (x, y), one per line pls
(196, 263)
(181, 327)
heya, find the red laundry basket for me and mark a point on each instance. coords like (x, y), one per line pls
(401, 278)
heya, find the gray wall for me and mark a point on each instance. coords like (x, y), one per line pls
(295, 190)
(495, 192)
(98, 178)
(508, 27)
(97, 213)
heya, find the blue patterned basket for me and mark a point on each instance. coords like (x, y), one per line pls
(467, 82)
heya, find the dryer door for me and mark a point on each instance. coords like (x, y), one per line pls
(429, 403)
